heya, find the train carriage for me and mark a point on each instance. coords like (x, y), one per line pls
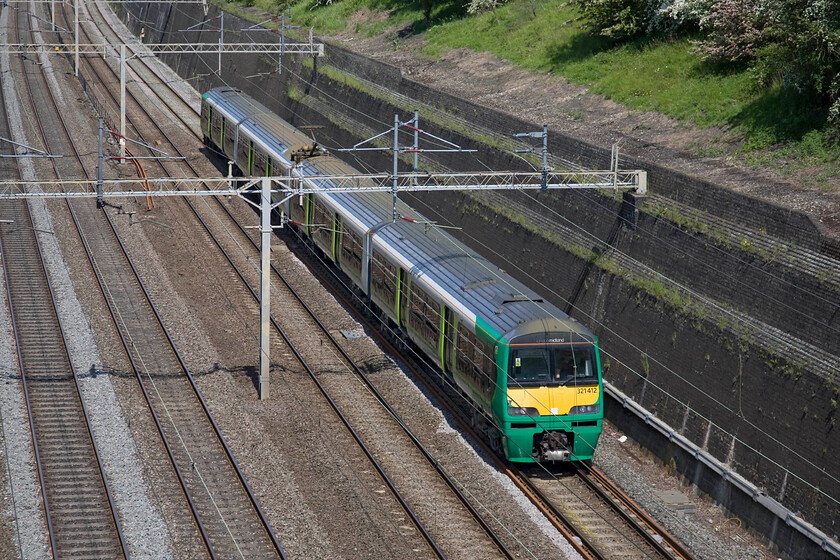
(532, 373)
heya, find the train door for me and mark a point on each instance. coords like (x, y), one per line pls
(230, 147)
(450, 324)
(337, 234)
(250, 157)
(221, 133)
(402, 294)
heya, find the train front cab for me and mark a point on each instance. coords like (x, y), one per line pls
(552, 403)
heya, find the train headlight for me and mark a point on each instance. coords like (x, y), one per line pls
(523, 411)
(585, 409)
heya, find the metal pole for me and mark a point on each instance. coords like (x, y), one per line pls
(99, 200)
(76, 33)
(396, 160)
(122, 102)
(416, 138)
(265, 257)
(221, 41)
(52, 14)
(615, 164)
(545, 159)
(282, 43)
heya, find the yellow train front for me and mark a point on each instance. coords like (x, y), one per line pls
(552, 404)
(531, 373)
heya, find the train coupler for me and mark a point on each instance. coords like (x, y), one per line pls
(553, 446)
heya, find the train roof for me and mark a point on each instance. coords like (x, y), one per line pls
(470, 281)
(265, 127)
(447, 265)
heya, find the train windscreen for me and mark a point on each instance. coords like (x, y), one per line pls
(552, 365)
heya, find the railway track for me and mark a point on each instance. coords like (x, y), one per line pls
(223, 509)
(239, 239)
(643, 548)
(299, 319)
(598, 526)
(609, 527)
(80, 514)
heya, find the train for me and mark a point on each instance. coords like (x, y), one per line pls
(531, 373)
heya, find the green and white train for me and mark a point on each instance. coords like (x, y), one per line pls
(532, 372)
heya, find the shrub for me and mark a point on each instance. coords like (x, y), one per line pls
(805, 53)
(671, 17)
(478, 6)
(617, 19)
(629, 19)
(734, 31)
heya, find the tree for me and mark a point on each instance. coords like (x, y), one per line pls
(427, 10)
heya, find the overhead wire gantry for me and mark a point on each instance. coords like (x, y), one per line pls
(272, 192)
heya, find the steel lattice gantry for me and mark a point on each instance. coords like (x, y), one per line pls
(274, 191)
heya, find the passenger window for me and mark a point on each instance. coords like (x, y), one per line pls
(474, 360)
(258, 158)
(229, 130)
(424, 317)
(383, 279)
(322, 227)
(351, 250)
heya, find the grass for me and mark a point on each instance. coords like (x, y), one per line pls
(334, 17)
(665, 76)
(662, 76)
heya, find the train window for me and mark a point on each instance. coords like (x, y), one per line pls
(529, 366)
(243, 153)
(217, 124)
(573, 364)
(298, 208)
(351, 250)
(383, 279)
(322, 226)
(258, 158)
(229, 131)
(424, 316)
(474, 361)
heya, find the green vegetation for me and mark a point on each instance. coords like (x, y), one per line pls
(663, 71)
